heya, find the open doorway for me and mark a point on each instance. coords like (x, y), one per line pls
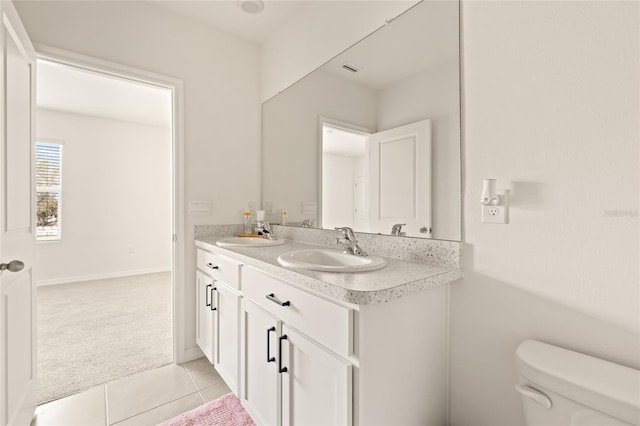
(345, 176)
(104, 175)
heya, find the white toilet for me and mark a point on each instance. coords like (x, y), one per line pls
(561, 387)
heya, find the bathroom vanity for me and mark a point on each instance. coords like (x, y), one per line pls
(306, 347)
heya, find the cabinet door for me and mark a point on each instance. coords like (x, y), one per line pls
(259, 364)
(226, 334)
(317, 386)
(204, 323)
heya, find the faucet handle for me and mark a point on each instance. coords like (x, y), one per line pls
(347, 233)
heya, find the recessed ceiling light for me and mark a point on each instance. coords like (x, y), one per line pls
(251, 6)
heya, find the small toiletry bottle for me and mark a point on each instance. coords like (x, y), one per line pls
(283, 213)
(247, 222)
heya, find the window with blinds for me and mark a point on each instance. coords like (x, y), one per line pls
(48, 190)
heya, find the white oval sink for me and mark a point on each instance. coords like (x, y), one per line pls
(248, 242)
(328, 260)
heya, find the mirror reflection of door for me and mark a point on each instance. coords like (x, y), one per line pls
(345, 175)
(401, 179)
(371, 182)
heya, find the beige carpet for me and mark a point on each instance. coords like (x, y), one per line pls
(93, 332)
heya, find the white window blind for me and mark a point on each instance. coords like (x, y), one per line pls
(48, 190)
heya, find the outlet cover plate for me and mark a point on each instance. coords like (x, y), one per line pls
(497, 214)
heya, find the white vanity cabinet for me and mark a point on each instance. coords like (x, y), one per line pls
(260, 381)
(307, 360)
(317, 386)
(299, 355)
(204, 312)
(287, 377)
(218, 313)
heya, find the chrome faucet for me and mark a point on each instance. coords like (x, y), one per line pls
(264, 227)
(348, 242)
(308, 223)
(397, 230)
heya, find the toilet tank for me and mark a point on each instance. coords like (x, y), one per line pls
(565, 388)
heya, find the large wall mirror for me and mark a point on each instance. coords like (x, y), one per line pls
(372, 138)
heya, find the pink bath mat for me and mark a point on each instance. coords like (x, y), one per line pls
(224, 411)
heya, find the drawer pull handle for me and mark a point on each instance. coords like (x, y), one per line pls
(269, 357)
(281, 369)
(212, 266)
(274, 299)
(212, 290)
(206, 295)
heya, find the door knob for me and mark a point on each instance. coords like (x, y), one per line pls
(13, 266)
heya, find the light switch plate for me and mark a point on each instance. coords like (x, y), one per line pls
(200, 207)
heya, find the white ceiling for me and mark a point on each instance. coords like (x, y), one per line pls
(73, 90)
(228, 17)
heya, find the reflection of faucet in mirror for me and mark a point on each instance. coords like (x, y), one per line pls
(397, 230)
(308, 223)
(264, 227)
(349, 242)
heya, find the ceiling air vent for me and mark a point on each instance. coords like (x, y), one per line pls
(351, 67)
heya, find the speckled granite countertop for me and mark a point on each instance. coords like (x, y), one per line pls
(399, 278)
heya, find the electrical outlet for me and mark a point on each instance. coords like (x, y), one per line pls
(252, 206)
(497, 214)
(493, 214)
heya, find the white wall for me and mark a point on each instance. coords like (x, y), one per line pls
(116, 206)
(432, 94)
(550, 92)
(551, 107)
(221, 95)
(316, 35)
(337, 190)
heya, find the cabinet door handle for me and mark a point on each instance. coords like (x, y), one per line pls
(212, 290)
(274, 299)
(212, 266)
(206, 295)
(281, 369)
(269, 357)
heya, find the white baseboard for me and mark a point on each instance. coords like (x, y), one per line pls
(79, 278)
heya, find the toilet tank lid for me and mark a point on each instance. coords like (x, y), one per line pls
(602, 385)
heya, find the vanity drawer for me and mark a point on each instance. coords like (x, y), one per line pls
(219, 267)
(326, 322)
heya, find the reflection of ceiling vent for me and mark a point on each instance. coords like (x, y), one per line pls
(351, 67)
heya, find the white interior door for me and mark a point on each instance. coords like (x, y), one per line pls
(18, 395)
(401, 179)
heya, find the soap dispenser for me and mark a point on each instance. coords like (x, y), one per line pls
(247, 222)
